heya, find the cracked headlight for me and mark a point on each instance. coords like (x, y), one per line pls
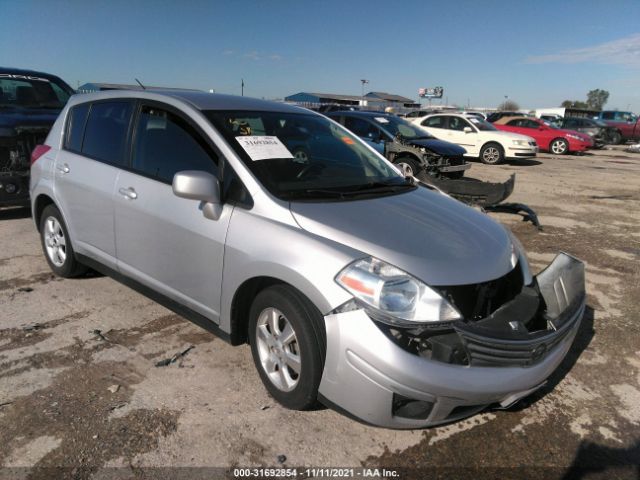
(393, 296)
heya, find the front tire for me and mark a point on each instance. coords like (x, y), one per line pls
(56, 244)
(615, 138)
(559, 146)
(492, 154)
(409, 167)
(288, 344)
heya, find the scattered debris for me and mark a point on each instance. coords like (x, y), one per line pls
(98, 333)
(33, 327)
(517, 209)
(633, 148)
(282, 458)
(117, 406)
(114, 388)
(170, 360)
(25, 289)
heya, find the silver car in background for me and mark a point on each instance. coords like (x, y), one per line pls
(354, 286)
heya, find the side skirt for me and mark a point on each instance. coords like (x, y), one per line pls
(163, 300)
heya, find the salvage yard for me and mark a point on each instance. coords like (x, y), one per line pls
(94, 375)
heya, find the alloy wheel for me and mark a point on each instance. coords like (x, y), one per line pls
(558, 147)
(55, 241)
(278, 349)
(406, 169)
(491, 155)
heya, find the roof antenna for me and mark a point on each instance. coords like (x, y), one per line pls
(140, 83)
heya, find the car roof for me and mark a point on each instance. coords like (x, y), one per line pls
(504, 120)
(360, 113)
(31, 73)
(198, 100)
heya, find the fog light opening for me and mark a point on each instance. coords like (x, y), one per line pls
(410, 408)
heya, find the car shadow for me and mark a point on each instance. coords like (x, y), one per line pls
(524, 162)
(14, 213)
(580, 343)
(592, 458)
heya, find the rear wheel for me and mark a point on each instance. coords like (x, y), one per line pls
(559, 146)
(288, 345)
(492, 154)
(56, 244)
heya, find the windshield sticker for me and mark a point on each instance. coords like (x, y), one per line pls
(263, 147)
(347, 140)
(474, 120)
(381, 120)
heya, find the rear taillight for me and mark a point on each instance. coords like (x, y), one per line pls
(38, 152)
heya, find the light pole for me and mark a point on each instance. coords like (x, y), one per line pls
(363, 81)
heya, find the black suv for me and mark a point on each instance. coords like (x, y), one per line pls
(29, 104)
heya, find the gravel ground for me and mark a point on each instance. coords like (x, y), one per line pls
(80, 389)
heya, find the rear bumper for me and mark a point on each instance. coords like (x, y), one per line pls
(365, 371)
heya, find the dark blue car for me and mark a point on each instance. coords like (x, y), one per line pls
(414, 150)
(29, 105)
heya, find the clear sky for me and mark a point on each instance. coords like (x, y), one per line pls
(538, 53)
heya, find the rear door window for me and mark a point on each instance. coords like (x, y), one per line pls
(165, 144)
(106, 132)
(75, 127)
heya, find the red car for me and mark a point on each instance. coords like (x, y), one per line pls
(548, 138)
(625, 125)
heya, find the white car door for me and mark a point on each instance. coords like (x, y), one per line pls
(435, 125)
(456, 133)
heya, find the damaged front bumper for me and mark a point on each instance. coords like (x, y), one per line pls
(369, 376)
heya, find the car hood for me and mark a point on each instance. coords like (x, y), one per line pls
(508, 135)
(439, 146)
(12, 118)
(435, 238)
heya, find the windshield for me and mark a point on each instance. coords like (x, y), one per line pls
(19, 91)
(481, 124)
(399, 126)
(303, 156)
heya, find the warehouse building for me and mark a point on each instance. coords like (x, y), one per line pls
(372, 100)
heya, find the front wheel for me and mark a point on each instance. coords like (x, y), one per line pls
(559, 146)
(288, 345)
(492, 154)
(56, 244)
(615, 138)
(409, 167)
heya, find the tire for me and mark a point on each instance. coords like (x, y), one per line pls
(615, 138)
(559, 146)
(492, 154)
(56, 244)
(408, 165)
(290, 369)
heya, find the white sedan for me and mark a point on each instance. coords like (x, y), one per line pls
(478, 137)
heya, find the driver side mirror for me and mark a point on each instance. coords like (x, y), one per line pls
(202, 186)
(467, 130)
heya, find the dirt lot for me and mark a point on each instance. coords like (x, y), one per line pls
(79, 387)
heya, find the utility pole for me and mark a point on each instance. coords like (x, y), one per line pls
(363, 81)
(242, 87)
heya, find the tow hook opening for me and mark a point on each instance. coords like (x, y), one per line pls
(410, 408)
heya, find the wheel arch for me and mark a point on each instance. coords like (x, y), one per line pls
(41, 202)
(559, 138)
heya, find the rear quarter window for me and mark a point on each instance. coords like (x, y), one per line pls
(106, 131)
(75, 127)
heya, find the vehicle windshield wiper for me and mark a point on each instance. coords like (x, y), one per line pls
(354, 190)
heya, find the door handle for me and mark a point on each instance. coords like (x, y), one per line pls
(63, 168)
(129, 193)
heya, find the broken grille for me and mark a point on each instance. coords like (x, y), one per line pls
(16, 151)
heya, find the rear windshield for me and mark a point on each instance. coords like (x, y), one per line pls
(21, 91)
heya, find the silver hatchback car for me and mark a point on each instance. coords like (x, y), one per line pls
(273, 225)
